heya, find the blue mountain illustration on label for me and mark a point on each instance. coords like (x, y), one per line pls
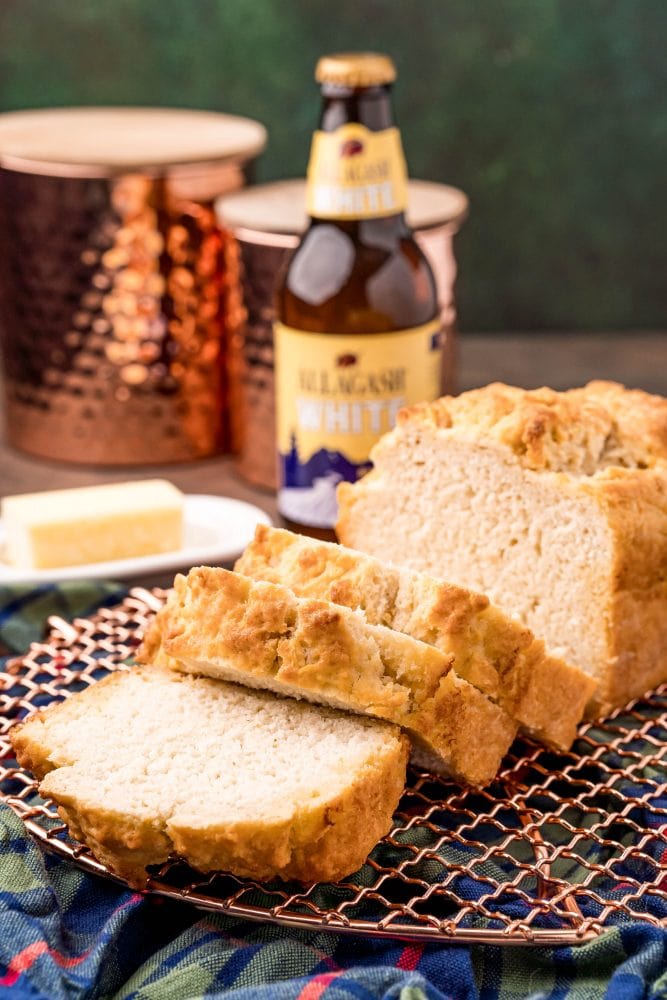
(307, 492)
(324, 462)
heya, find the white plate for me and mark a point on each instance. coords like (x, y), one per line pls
(216, 530)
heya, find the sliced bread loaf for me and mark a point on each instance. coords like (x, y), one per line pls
(225, 625)
(552, 503)
(491, 650)
(149, 762)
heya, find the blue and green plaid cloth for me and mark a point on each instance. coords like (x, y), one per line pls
(65, 934)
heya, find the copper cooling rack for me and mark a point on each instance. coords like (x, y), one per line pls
(558, 849)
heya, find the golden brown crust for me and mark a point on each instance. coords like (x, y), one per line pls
(263, 630)
(461, 726)
(150, 651)
(309, 568)
(578, 431)
(491, 651)
(126, 846)
(347, 495)
(31, 752)
(228, 625)
(634, 504)
(326, 839)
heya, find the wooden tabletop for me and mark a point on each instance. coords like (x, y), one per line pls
(561, 360)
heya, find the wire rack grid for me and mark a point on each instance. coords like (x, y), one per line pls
(559, 848)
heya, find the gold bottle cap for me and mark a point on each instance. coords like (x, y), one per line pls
(355, 69)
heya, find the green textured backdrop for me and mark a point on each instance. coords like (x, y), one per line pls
(550, 114)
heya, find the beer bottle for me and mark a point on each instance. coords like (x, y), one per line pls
(357, 334)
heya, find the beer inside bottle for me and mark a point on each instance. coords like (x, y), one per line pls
(358, 329)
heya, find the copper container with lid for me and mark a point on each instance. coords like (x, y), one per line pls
(264, 224)
(112, 279)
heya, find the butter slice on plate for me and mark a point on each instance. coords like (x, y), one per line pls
(92, 524)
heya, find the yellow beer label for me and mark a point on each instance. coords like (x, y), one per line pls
(336, 394)
(354, 173)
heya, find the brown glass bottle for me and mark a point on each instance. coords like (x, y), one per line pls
(357, 332)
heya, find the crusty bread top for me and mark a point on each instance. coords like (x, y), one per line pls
(580, 431)
(268, 630)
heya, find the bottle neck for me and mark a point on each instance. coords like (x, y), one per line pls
(369, 106)
(357, 169)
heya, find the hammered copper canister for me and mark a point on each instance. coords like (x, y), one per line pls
(263, 226)
(112, 280)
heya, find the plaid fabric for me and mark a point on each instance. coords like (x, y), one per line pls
(64, 934)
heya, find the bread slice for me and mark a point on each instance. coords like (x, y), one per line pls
(225, 625)
(491, 650)
(148, 762)
(552, 503)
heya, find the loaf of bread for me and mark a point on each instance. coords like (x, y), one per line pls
(552, 503)
(491, 650)
(259, 634)
(148, 763)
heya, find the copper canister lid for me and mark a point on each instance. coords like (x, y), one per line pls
(98, 142)
(278, 209)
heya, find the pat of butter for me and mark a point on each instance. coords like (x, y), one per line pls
(93, 524)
